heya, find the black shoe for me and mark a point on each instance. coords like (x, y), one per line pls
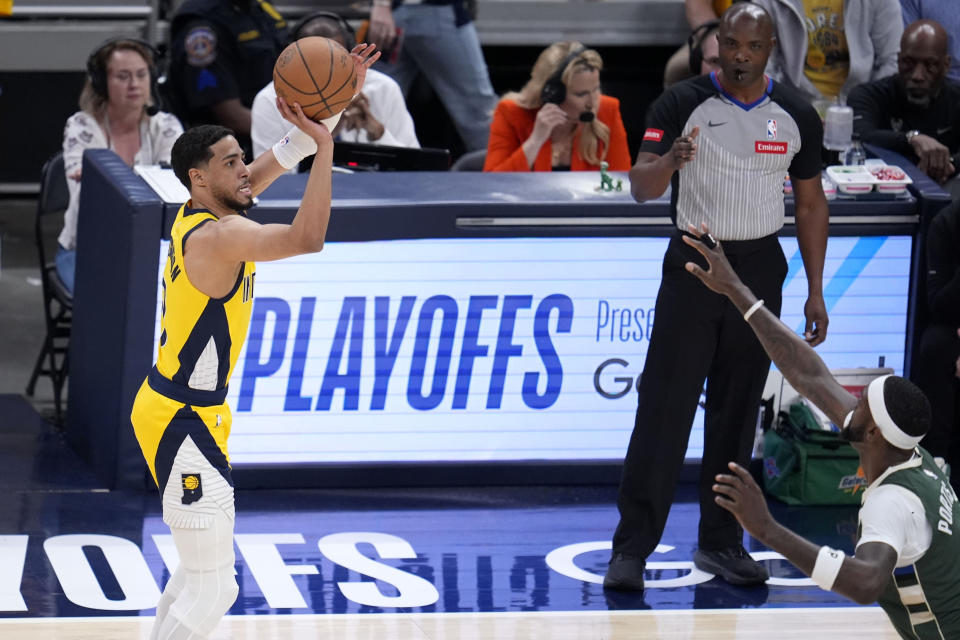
(625, 573)
(733, 564)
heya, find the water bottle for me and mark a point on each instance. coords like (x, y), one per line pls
(838, 127)
(855, 153)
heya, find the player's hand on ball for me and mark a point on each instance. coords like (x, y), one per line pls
(719, 276)
(684, 149)
(364, 55)
(294, 114)
(739, 494)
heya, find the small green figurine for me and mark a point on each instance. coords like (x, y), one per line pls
(606, 182)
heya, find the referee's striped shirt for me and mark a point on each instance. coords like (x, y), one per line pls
(744, 153)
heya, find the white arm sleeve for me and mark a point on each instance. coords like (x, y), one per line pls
(894, 516)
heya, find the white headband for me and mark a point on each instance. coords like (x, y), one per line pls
(891, 432)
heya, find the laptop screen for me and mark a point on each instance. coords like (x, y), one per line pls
(373, 157)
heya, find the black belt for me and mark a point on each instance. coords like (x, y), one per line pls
(737, 246)
(193, 397)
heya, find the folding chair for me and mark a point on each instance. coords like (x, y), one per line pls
(53, 359)
(470, 161)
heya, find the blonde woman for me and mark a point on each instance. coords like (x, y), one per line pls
(560, 120)
(116, 113)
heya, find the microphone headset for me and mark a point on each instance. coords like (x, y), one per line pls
(97, 67)
(695, 42)
(349, 35)
(553, 89)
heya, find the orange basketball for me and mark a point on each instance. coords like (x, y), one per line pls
(318, 73)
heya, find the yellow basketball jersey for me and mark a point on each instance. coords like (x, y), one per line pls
(200, 336)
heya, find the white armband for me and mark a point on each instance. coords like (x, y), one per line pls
(827, 567)
(293, 147)
(297, 145)
(753, 309)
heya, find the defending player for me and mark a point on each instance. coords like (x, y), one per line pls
(908, 552)
(180, 415)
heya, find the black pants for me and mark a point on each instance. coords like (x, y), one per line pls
(697, 335)
(936, 376)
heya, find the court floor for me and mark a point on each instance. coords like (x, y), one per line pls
(77, 562)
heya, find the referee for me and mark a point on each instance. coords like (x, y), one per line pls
(724, 141)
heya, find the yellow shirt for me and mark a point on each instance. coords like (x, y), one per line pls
(828, 58)
(6, 7)
(200, 337)
(719, 6)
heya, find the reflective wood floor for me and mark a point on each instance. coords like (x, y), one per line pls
(749, 624)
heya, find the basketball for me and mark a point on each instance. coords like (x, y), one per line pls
(318, 73)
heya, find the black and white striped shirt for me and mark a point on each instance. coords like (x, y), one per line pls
(735, 182)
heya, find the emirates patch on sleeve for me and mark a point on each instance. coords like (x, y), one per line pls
(653, 134)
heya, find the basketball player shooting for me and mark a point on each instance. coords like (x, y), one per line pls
(180, 415)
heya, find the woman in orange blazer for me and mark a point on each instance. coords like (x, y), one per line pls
(559, 121)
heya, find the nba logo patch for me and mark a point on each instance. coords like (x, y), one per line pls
(771, 129)
(192, 488)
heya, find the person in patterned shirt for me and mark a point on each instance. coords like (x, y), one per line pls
(116, 113)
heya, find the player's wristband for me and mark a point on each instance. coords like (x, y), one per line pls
(293, 147)
(827, 567)
(753, 309)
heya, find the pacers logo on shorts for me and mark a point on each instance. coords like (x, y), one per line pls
(192, 489)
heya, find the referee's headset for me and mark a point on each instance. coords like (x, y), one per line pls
(97, 67)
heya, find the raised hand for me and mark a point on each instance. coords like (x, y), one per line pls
(364, 55)
(684, 149)
(719, 276)
(739, 494)
(549, 117)
(294, 115)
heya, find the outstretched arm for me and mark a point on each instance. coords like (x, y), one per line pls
(798, 362)
(861, 577)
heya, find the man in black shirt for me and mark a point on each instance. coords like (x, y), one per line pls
(915, 112)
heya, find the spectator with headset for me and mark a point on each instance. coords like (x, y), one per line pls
(117, 112)
(222, 53)
(377, 116)
(560, 120)
(700, 54)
